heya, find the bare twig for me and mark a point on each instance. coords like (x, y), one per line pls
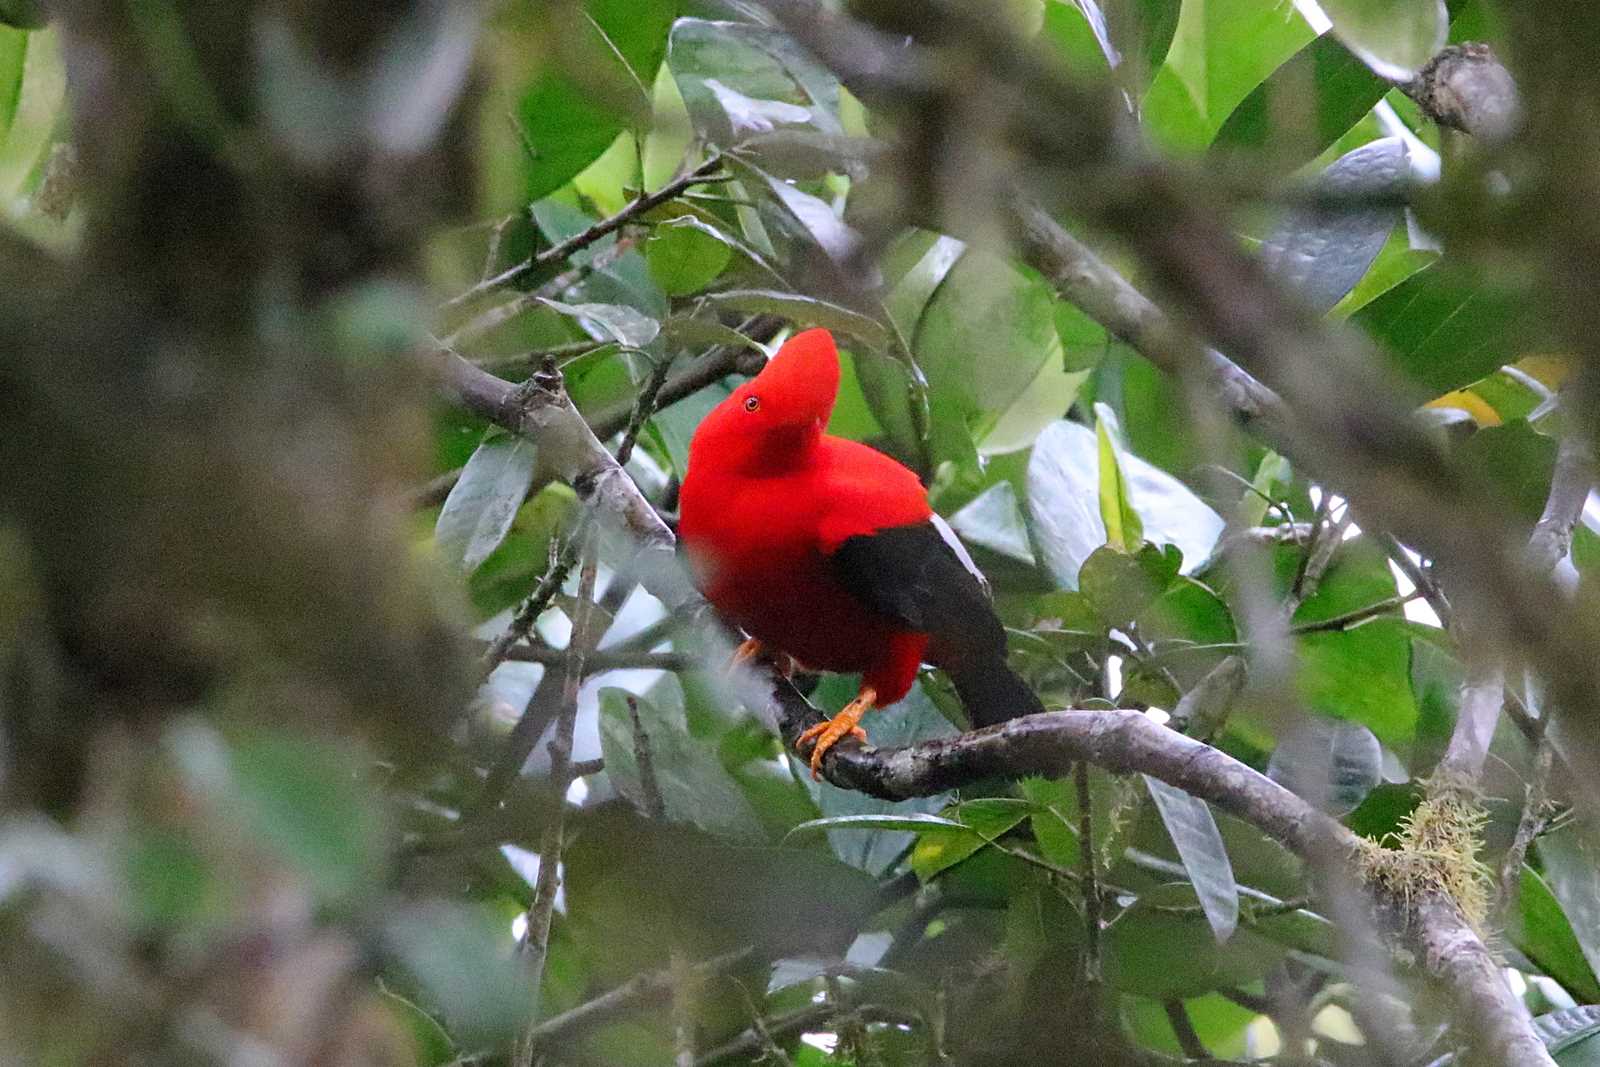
(1535, 816)
(1345, 620)
(516, 305)
(562, 559)
(705, 172)
(655, 806)
(1092, 920)
(643, 990)
(536, 941)
(1569, 489)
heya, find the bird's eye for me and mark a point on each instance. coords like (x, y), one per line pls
(752, 403)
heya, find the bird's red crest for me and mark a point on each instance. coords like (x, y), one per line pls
(803, 378)
(777, 414)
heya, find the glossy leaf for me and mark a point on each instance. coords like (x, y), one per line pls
(615, 322)
(483, 504)
(1156, 952)
(1322, 253)
(1124, 531)
(1444, 329)
(909, 721)
(1063, 485)
(806, 309)
(577, 102)
(984, 338)
(1539, 930)
(740, 80)
(1394, 37)
(684, 258)
(1221, 51)
(693, 785)
(1194, 833)
(1571, 861)
(983, 821)
(1334, 765)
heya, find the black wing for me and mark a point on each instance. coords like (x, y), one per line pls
(921, 577)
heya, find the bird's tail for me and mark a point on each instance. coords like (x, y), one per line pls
(992, 692)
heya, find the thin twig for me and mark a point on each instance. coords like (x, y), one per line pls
(1092, 919)
(654, 805)
(641, 991)
(510, 309)
(611, 659)
(704, 173)
(536, 941)
(559, 566)
(1535, 816)
(1348, 619)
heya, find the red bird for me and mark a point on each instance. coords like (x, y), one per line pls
(827, 551)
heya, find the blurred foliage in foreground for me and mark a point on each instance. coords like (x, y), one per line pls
(249, 870)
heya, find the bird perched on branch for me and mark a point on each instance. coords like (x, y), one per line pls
(826, 551)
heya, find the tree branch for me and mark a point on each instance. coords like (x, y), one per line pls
(705, 172)
(1466, 88)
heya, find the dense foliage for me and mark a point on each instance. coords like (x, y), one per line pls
(323, 845)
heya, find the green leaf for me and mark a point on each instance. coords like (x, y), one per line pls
(1155, 952)
(1199, 843)
(805, 309)
(1063, 480)
(1570, 1035)
(1444, 327)
(695, 787)
(306, 800)
(1571, 862)
(33, 87)
(739, 80)
(22, 14)
(1333, 765)
(1322, 253)
(431, 1041)
(912, 822)
(982, 821)
(1342, 89)
(615, 322)
(577, 102)
(483, 504)
(1394, 37)
(1221, 51)
(686, 255)
(463, 957)
(1541, 932)
(1120, 585)
(909, 721)
(1123, 530)
(983, 340)
(993, 520)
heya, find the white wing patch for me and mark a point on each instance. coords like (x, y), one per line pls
(960, 550)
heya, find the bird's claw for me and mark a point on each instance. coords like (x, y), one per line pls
(827, 734)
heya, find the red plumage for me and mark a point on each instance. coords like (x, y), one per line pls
(767, 507)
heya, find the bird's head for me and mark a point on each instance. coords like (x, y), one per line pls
(777, 416)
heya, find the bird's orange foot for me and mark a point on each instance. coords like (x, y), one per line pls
(845, 724)
(750, 649)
